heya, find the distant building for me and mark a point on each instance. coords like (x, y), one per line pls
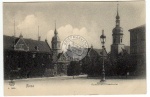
(138, 49)
(25, 58)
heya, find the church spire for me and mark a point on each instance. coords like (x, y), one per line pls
(117, 17)
(55, 32)
(55, 24)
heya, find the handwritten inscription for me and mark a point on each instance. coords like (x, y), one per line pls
(12, 84)
(12, 88)
(29, 86)
(104, 84)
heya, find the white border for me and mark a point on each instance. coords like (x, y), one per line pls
(147, 45)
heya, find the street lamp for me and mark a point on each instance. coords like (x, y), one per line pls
(103, 40)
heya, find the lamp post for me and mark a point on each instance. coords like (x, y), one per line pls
(103, 40)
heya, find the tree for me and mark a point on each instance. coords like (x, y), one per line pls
(124, 64)
(86, 65)
(74, 68)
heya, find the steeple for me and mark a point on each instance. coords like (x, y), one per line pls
(117, 17)
(55, 44)
(55, 32)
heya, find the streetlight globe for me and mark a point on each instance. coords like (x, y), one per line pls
(103, 37)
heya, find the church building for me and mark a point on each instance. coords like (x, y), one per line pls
(117, 36)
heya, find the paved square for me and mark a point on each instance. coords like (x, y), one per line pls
(81, 85)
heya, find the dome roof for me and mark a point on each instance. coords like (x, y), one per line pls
(55, 39)
(118, 30)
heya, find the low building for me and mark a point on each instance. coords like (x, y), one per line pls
(24, 58)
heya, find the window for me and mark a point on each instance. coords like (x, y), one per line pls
(36, 48)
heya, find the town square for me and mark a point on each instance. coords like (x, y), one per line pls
(74, 48)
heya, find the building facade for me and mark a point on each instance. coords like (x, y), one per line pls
(24, 58)
(138, 49)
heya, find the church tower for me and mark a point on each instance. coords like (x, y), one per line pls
(55, 44)
(117, 36)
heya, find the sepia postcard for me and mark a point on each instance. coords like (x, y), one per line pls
(74, 48)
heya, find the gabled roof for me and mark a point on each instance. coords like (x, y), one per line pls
(98, 51)
(62, 58)
(43, 46)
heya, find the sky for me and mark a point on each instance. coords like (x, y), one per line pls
(86, 19)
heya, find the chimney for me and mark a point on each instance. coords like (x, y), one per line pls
(45, 40)
(39, 37)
